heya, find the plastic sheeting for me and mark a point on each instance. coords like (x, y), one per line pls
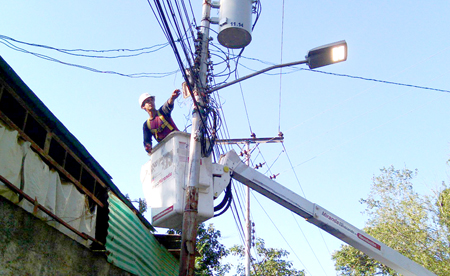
(72, 206)
(11, 155)
(24, 168)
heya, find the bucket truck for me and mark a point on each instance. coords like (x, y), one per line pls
(164, 177)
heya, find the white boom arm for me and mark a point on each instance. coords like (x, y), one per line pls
(322, 218)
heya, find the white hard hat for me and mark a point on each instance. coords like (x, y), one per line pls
(143, 97)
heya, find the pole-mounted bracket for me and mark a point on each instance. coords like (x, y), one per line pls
(214, 20)
(215, 4)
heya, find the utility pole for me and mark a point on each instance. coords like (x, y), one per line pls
(248, 232)
(190, 220)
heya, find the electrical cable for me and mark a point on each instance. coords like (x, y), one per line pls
(366, 132)
(262, 156)
(161, 46)
(220, 149)
(310, 247)
(207, 136)
(245, 108)
(225, 198)
(133, 75)
(301, 188)
(281, 234)
(228, 203)
(380, 81)
(276, 159)
(238, 221)
(144, 50)
(292, 167)
(281, 69)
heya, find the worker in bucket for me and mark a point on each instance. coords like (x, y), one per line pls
(160, 123)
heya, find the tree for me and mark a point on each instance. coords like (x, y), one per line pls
(414, 225)
(142, 203)
(269, 261)
(208, 245)
(211, 251)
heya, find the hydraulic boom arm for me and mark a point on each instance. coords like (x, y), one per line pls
(322, 218)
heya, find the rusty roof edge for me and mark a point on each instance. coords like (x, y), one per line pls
(63, 133)
(50, 119)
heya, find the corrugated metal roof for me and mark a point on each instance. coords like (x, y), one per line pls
(132, 246)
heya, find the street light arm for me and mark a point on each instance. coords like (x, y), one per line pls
(257, 73)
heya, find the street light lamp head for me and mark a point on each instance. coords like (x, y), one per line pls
(327, 54)
(317, 57)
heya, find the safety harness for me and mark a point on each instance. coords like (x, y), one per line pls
(161, 127)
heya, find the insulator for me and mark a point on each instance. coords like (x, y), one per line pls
(253, 135)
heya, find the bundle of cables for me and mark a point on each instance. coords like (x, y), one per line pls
(225, 203)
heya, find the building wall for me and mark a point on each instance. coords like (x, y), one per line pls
(28, 246)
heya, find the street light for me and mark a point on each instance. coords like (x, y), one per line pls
(317, 57)
(327, 54)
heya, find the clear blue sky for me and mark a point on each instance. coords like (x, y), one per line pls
(338, 130)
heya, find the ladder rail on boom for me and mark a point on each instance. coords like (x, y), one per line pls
(321, 218)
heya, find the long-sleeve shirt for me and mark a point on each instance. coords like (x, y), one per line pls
(158, 124)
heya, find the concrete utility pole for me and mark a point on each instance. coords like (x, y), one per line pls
(248, 232)
(190, 221)
(248, 225)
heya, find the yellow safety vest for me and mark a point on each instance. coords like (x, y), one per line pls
(161, 127)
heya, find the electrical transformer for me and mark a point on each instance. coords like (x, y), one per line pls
(235, 23)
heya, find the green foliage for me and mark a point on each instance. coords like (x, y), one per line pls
(211, 252)
(443, 205)
(142, 203)
(270, 261)
(414, 225)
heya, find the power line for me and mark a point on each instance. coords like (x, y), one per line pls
(364, 133)
(145, 50)
(296, 69)
(292, 167)
(298, 181)
(132, 75)
(6, 40)
(310, 247)
(245, 108)
(281, 69)
(380, 81)
(281, 234)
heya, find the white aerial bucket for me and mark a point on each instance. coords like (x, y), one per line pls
(164, 178)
